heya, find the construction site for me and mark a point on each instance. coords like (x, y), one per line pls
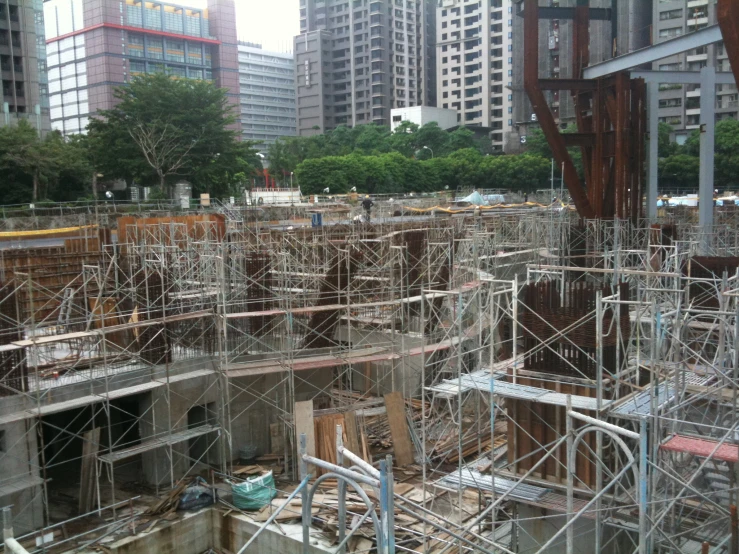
(526, 378)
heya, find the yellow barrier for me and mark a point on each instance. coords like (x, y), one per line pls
(43, 232)
(482, 208)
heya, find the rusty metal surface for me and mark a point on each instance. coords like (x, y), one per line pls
(544, 114)
(13, 375)
(705, 294)
(611, 124)
(728, 20)
(548, 310)
(322, 324)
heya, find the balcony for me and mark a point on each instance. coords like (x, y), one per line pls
(697, 58)
(696, 22)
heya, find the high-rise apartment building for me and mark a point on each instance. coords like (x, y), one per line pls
(358, 59)
(626, 29)
(23, 63)
(267, 84)
(679, 105)
(94, 46)
(474, 53)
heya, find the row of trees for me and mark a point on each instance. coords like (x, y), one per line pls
(394, 173)
(408, 140)
(161, 131)
(33, 168)
(679, 165)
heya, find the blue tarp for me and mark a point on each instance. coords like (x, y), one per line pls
(477, 199)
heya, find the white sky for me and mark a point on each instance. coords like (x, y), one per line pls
(271, 23)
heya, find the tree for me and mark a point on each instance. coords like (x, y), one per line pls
(460, 139)
(679, 170)
(665, 145)
(165, 128)
(434, 137)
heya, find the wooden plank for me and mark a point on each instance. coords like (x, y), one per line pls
(304, 424)
(402, 445)
(350, 430)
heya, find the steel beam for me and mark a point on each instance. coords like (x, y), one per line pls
(707, 154)
(567, 84)
(727, 13)
(704, 37)
(599, 14)
(653, 158)
(681, 77)
(544, 114)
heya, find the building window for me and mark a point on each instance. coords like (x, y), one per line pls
(671, 32)
(155, 48)
(136, 45)
(136, 67)
(671, 14)
(175, 51)
(194, 54)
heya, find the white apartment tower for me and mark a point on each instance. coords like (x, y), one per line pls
(474, 52)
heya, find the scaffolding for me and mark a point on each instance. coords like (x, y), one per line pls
(587, 370)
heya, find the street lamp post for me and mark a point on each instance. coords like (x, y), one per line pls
(291, 179)
(429, 149)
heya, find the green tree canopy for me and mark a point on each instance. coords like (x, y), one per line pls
(35, 169)
(393, 173)
(408, 140)
(165, 129)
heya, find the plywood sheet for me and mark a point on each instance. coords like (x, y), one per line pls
(402, 445)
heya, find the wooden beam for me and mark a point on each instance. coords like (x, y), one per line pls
(402, 445)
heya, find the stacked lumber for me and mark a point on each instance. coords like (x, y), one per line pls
(325, 434)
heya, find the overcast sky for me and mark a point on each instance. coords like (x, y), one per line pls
(273, 23)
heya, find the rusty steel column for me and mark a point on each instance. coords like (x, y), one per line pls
(728, 20)
(544, 114)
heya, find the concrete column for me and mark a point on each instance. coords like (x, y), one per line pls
(653, 154)
(707, 154)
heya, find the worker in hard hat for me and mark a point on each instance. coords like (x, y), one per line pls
(367, 205)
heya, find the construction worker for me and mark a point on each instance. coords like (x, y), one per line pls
(367, 205)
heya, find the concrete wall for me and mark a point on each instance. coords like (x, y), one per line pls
(199, 531)
(539, 525)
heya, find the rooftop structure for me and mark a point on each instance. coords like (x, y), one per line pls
(421, 115)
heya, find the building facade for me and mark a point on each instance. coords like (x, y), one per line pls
(474, 53)
(358, 59)
(94, 46)
(267, 84)
(629, 30)
(679, 105)
(23, 64)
